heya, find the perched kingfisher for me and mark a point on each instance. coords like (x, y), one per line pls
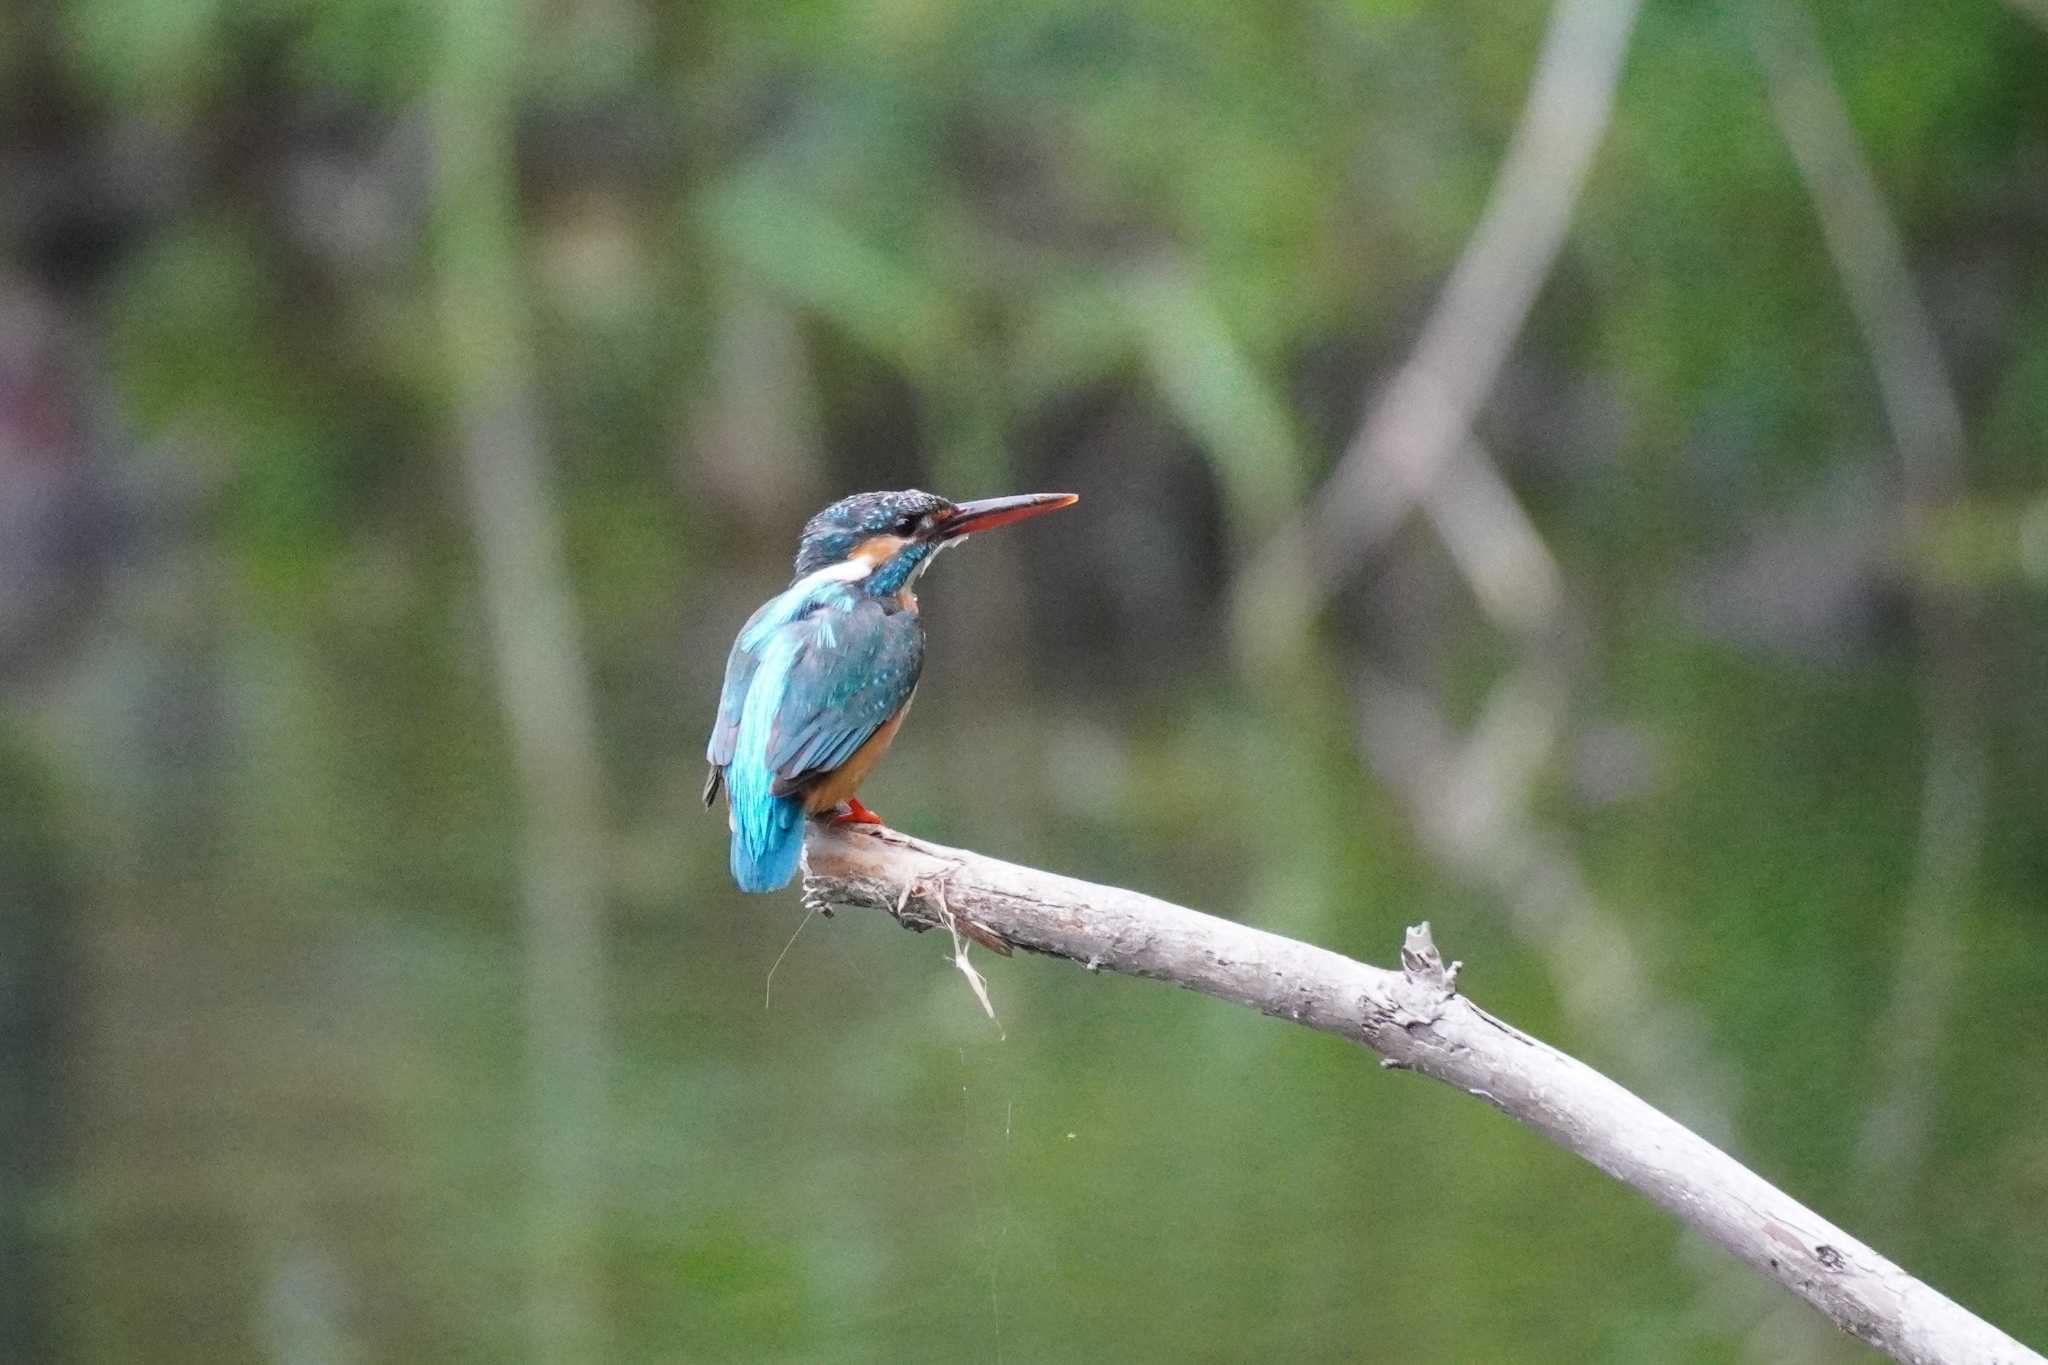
(821, 675)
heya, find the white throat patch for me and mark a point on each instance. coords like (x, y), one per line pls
(845, 571)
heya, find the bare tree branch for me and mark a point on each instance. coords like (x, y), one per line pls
(1416, 1021)
(1470, 805)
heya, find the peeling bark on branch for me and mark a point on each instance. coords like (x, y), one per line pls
(1416, 1021)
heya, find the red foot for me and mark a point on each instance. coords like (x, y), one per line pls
(855, 814)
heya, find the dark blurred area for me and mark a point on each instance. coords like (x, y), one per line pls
(1602, 510)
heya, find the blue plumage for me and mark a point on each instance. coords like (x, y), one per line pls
(815, 673)
(767, 830)
(822, 672)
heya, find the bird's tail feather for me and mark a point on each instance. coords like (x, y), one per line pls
(767, 829)
(767, 842)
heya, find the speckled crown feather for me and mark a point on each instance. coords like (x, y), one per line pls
(831, 535)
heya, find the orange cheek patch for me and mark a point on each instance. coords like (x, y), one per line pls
(876, 551)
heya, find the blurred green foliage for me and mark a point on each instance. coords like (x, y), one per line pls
(767, 254)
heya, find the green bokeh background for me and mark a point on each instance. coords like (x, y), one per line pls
(264, 841)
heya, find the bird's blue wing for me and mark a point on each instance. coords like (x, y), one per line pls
(855, 667)
(815, 689)
(739, 672)
(847, 667)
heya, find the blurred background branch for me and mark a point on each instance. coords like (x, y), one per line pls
(530, 611)
(1926, 424)
(1423, 417)
(1927, 428)
(2036, 10)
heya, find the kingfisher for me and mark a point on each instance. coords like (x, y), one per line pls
(820, 678)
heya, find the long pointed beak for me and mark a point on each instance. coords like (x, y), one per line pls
(985, 514)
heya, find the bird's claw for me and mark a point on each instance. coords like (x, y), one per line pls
(852, 812)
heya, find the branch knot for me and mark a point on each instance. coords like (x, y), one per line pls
(1424, 965)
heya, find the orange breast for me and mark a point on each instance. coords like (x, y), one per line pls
(841, 782)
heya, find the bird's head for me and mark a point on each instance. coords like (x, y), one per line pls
(894, 535)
